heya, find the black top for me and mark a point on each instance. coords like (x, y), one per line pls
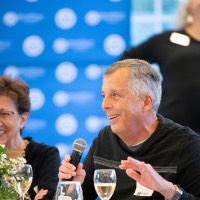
(180, 68)
(172, 150)
(45, 161)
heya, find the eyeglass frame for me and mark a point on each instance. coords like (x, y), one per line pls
(6, 113)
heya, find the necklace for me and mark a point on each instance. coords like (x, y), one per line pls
(24, 151)
(18, 153)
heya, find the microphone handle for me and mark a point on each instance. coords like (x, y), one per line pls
(75, 159)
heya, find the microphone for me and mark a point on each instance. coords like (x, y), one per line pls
(79, 146)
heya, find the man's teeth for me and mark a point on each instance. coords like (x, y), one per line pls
(114, 116)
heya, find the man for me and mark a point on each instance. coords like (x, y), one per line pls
(163, 158)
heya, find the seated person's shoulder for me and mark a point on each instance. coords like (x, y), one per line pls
(40, 148)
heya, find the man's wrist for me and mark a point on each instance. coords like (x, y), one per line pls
(177, 194)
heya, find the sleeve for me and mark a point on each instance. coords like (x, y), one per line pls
(189, 170)
(145, 51)
(48, 175)
(89, 192)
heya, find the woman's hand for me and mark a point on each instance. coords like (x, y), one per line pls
(40, 194)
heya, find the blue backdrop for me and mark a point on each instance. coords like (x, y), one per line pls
(61, 49)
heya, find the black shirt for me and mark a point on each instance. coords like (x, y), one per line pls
(172, 150)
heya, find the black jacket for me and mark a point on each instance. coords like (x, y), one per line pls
(45, 161)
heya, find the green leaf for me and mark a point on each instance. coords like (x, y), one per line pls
(8, 193)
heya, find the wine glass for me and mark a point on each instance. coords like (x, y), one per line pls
(105, 183)
(22, 180)
(69, 190)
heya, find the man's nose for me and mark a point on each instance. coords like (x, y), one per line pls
(106, 103)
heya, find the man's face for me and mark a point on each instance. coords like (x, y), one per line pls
(122, 107)
(194, 7)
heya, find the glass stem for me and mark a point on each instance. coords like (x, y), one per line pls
(22, 197)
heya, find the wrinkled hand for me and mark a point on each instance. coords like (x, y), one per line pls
(67, 170)
(40, 194)
(145, 175)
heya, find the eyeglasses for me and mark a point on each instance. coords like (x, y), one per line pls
(4, 115)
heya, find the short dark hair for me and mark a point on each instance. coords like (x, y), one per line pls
(18, 91)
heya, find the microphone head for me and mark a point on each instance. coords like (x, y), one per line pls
(79, 145)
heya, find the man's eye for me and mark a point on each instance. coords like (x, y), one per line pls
(114, 94)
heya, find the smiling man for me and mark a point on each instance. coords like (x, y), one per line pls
(154, 157)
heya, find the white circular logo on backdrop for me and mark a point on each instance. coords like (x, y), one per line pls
(66, 72)
(60, 45)
(33, 46)
(93, 124)
(10, 18)
(92, 18)
(12, 71)
(114, 45)
(37, 98)
(61, 98)
(65, 18)
(31, 1)
(63, 149)
(93, 72)
(66, 124)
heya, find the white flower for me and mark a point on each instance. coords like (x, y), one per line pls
(3, 156)
(10, 164)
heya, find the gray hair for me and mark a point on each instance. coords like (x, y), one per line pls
(183, 17)
(143, 79)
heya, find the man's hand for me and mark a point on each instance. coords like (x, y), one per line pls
(146, 175)
(67, 170)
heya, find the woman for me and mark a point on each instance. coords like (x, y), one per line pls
(45, 160)
(178, 55)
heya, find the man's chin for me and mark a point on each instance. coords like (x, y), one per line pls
(114, 129)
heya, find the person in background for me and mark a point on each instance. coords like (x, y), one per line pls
(45, 160)
(178, 55)
(159, 154)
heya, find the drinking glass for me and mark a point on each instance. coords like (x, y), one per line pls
(69, 190)
(22, 180)
(105, 183)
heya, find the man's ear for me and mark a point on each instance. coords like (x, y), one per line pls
(147, 102)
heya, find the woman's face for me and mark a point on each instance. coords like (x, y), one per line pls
(10, 121)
